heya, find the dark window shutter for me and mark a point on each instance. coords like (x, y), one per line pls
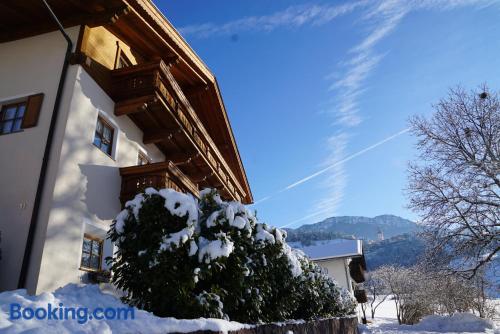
(33, 106)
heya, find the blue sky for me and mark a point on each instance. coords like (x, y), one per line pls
(319, 92)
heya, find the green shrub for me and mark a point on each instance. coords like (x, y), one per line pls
(187, 259)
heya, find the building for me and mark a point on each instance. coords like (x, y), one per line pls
(342, 259)
(136, 107)
(380, 234)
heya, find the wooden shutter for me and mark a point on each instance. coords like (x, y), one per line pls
(33, 106)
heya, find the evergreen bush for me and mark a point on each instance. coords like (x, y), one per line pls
(180, 257)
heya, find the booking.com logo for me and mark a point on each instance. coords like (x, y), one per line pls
(80, 314)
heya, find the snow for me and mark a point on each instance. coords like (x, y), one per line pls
(460, 322)
(177, 204)
(293, 258)
(73, 295)
(135, 204)
(230, 214)
(196, 271)
(326, 249)
(385, 322)
(212, 249)
(212, 218)
(239, 222)
(180, 204)
(193, 248)
(206, 191)
(263, 235)
(177, 238)
(120, 221)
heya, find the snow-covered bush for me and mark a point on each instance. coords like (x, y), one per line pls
(187, 259)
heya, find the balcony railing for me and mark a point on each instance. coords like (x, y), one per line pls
(357, 268)
(151, 88)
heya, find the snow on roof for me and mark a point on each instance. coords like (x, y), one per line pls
(329, 249)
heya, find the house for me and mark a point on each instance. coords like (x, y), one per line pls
(342, 259)
(89, 116)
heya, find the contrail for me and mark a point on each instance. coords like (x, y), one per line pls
(352, 156)
(324, 170)
(317, 213)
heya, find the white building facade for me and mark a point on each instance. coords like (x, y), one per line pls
(93, 139)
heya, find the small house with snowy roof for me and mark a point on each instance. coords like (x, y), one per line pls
(99, 99)
(342, 259)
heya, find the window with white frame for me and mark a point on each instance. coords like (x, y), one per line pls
(104, 135)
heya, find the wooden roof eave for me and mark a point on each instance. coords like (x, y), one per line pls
(241, 169)
(180, 95)
(148, 14)
(38, 25)
(149, 11)
(188, 58)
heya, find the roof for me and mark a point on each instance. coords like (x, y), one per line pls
(331, 249)
(212, 109)
(153, 36)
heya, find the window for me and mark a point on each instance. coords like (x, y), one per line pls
(11, 117)
(91, 253)
(143, 159)
(123, 61)
(103, 138)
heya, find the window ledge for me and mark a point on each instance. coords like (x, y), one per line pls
(90, 270)
(12, 132)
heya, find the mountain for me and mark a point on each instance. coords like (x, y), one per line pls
(404, 250)
(401, 245)
(353, 227)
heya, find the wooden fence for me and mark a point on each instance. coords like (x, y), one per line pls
(323, 326)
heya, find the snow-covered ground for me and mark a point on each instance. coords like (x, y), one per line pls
(91, 297)
(386, 322)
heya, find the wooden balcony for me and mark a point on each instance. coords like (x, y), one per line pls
(360, 295)
(151, 97)
(357, 268)
(158, 175)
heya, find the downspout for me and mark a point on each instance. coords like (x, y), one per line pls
(46, 155)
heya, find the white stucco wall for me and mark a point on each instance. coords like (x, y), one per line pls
(84, 199)
(338, 269)
(27, 66)
(87, 189)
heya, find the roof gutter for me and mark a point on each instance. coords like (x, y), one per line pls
(46, 155)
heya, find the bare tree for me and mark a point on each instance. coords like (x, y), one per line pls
(363, 310)
(455, 186)
(376, 289)
(396, 280)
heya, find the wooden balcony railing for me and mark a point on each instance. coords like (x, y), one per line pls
(360, 296)
(357, 268)
(151, 90)
(157, 175)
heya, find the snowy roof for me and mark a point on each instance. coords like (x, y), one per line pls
(329, 249)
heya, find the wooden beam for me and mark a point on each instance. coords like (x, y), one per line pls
(91, 19)
(195, 90)
(181, 158)
(153, 137)
(206, 179)
(135, 105)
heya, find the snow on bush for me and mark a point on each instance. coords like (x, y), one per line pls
(182, 258)
(89, 296)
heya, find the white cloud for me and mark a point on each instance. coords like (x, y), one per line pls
(336, 180)
(291, 17)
